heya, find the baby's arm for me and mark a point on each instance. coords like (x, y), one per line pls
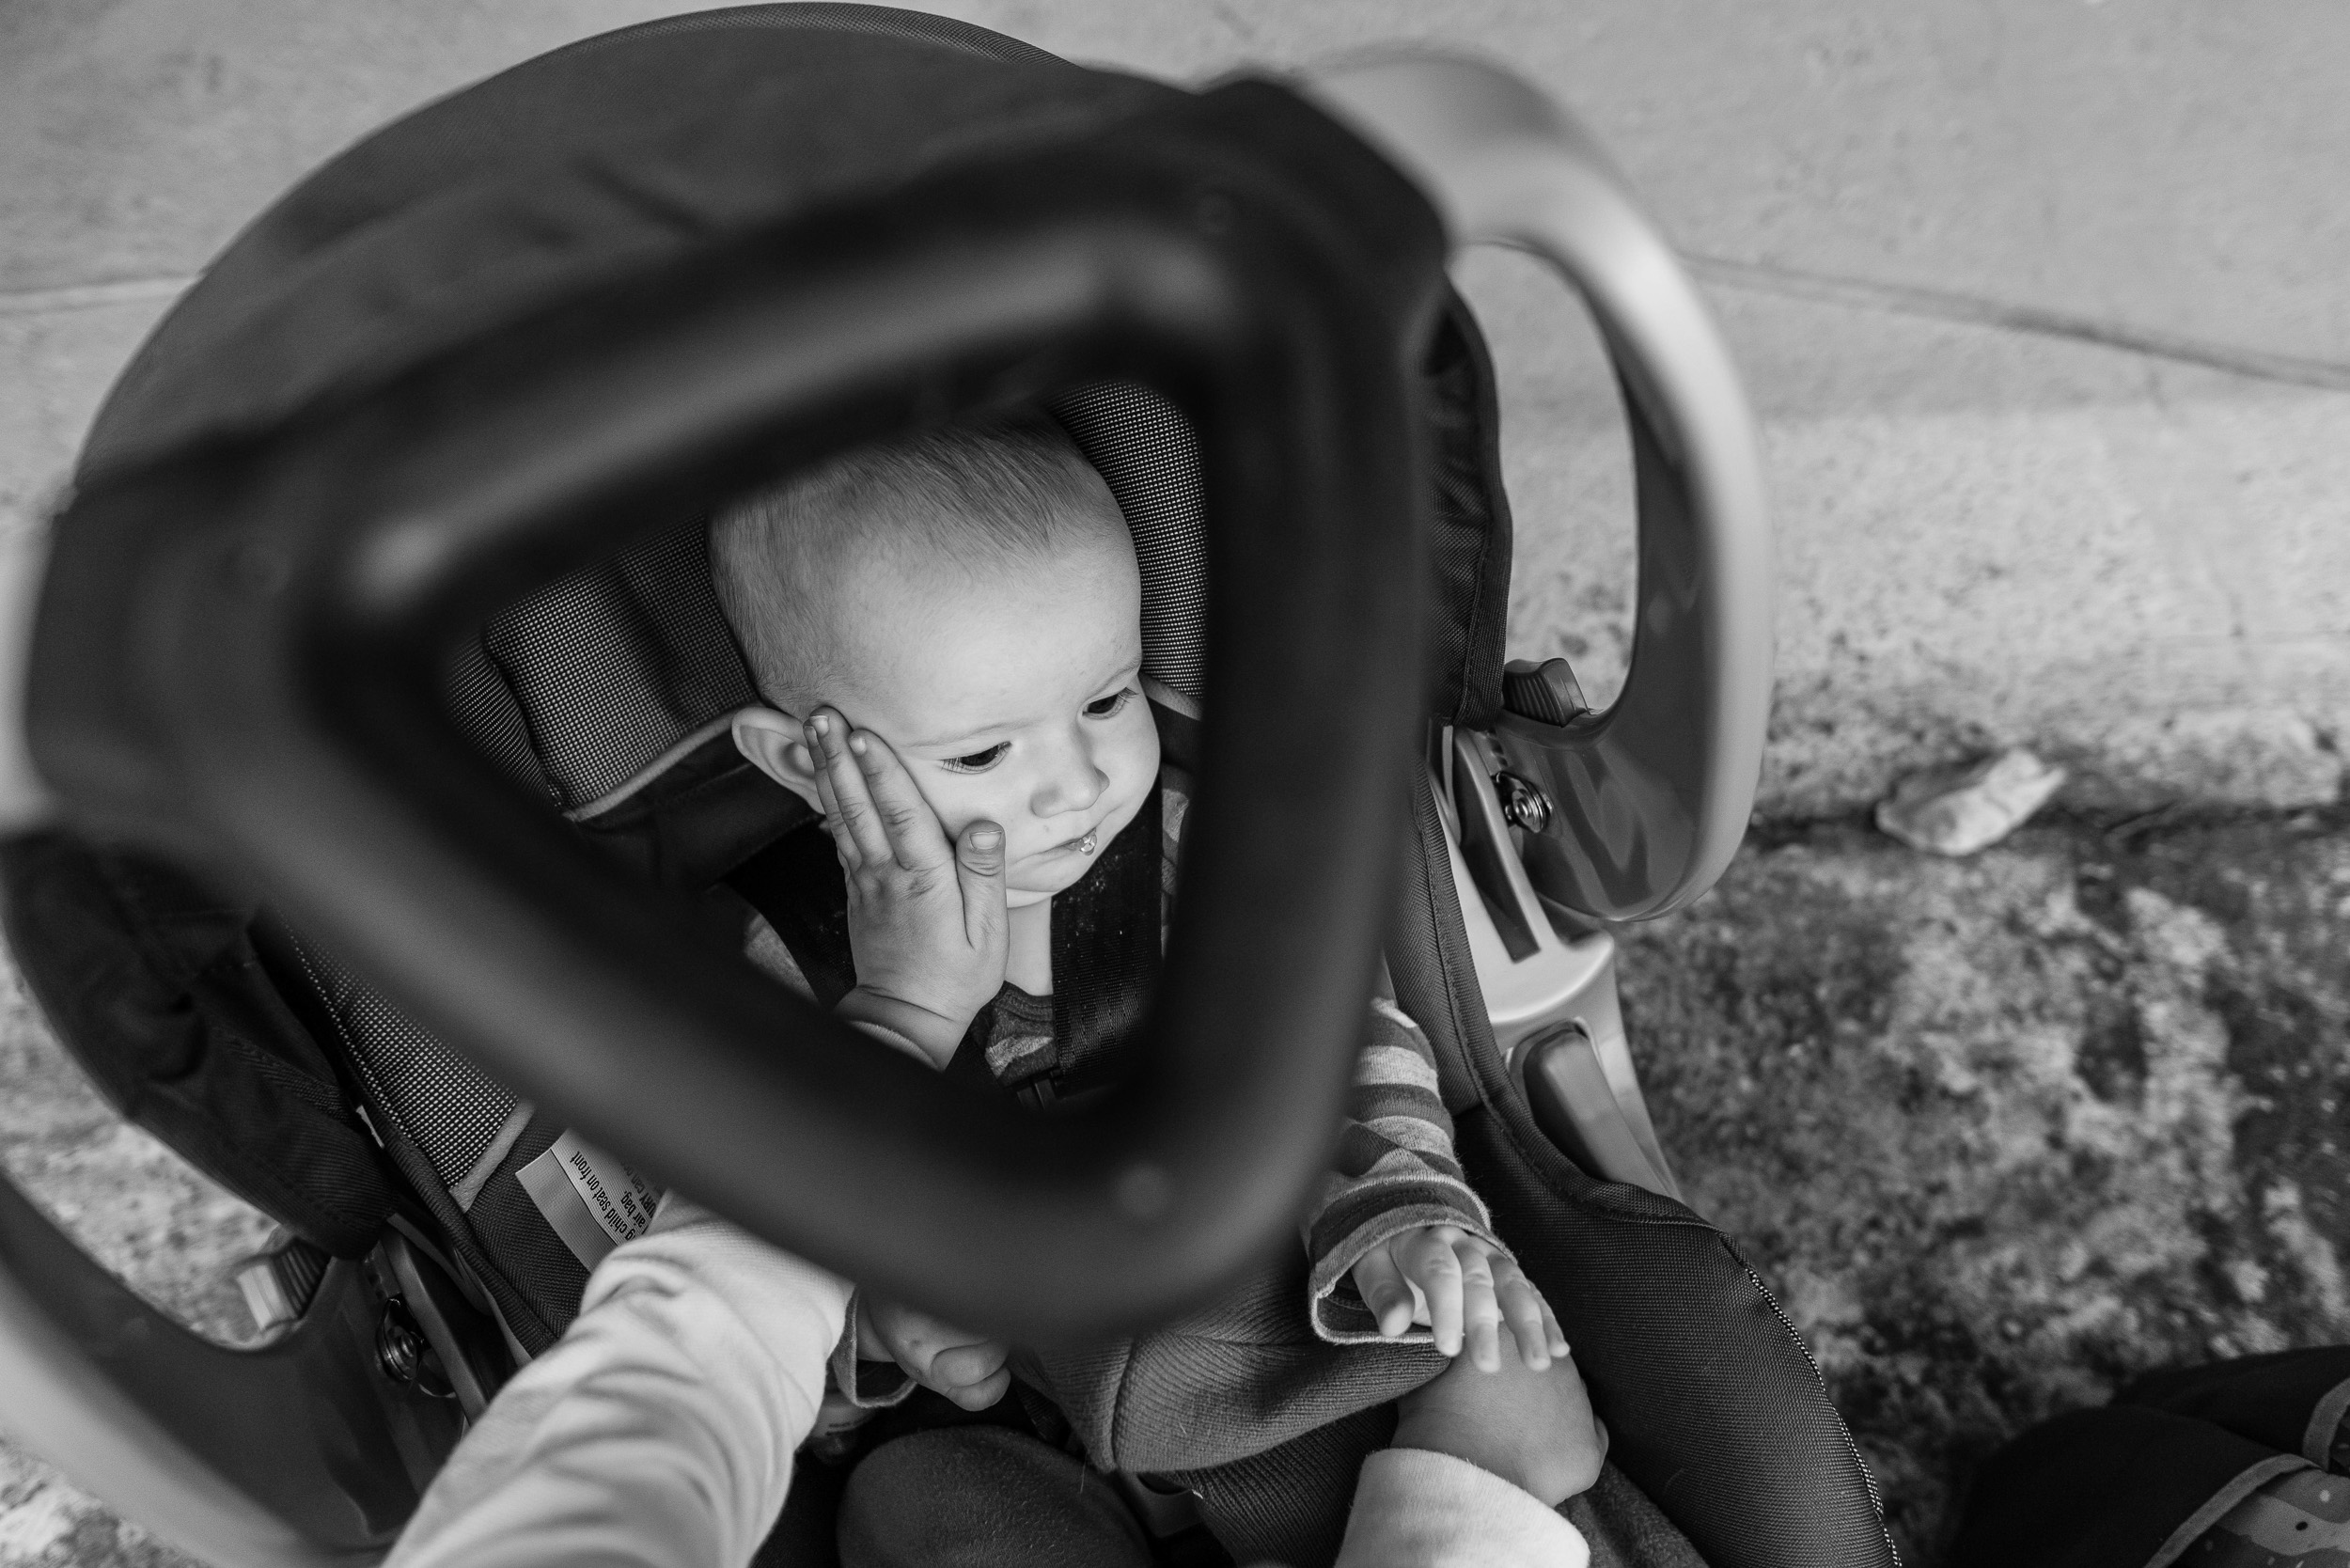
(928, 926)
(928, 934)
(1401, 1224)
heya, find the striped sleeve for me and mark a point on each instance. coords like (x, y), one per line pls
(1395, 1172)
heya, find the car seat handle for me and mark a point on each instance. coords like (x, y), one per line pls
(1654, 792)
(240, 648)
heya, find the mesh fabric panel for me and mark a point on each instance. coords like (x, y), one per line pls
(484, 707)
(611, 666)
(1148, 453)
(447, 1107)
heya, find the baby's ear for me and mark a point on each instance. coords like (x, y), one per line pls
(776, 745)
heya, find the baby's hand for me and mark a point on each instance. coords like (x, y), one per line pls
(964, 1368)
(1461, 1288)
(927, 920)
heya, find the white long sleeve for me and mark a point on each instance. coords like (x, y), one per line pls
(1417, 1509)
(658, 1433)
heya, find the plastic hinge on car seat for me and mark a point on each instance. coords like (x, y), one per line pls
(1549, 988)
(279, 1281)
(1547, 693)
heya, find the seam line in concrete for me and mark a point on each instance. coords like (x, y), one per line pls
(1749, 277)
(90, 296)
(1974, 310)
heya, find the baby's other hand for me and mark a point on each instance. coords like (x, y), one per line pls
(965, 1368)
(1464, 1290)
(928, 925)
(1532, 1428)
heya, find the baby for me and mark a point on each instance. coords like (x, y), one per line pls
(947, 631)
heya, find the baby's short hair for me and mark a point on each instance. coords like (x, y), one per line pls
(978, 493)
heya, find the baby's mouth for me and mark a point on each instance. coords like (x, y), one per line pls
(1087, 843)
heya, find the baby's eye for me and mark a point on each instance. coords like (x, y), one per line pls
(1103, 707)
(978, 762)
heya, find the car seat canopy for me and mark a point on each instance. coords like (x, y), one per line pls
(606, 692)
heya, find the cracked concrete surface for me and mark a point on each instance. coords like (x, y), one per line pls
(2008, 1132)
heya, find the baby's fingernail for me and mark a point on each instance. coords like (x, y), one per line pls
(822, 725)
(857, 744)
(987, 838)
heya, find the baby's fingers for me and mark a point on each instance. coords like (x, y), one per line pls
(909, 826)
(1382, 1287)
(849, 808)
(979, 858)
(974, 1377)
(1481, 1312)
(1525, 1312)
(1429, 1262)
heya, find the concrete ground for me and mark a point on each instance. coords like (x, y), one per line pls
(2041, 305)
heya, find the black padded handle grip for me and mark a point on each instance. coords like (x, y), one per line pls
(239, 652)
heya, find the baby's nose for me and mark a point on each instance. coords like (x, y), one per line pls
(1073, 785)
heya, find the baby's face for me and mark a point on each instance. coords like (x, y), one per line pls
(1013, 691)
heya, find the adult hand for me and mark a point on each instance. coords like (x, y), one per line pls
(1465, 1290)
(964, 1367)
(928, 925)
(1532, 1428)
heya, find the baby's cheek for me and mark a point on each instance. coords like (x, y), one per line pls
(956, 805)
(1137, 762)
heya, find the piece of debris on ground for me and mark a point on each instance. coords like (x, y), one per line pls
(1965, 808)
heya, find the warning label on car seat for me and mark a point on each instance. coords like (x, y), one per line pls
(592, 1200)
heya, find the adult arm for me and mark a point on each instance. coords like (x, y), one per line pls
(1416, 1507)
(1480, 1460)
(658, 1433)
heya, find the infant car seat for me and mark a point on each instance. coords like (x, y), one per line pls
(439, 1223)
